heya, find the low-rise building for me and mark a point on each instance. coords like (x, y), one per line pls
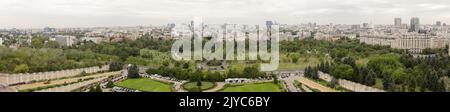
(96, 40)
(327, 37)
(333, 37)
(378, 40)
(64, 40)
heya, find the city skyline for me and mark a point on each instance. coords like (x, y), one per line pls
(104, 13)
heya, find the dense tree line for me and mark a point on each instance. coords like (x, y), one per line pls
(133, 71)
(127, 48)
(397, 72)
(312, 72)
(116, 66)
(28, 60)
(427, 72)
(336, 49)
(213, 76)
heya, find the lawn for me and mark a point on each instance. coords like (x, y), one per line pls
(300, 65)
(146, 85)
(205, 85)
(257, 87)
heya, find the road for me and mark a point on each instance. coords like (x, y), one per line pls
(290, 85)
(290, 78)
(313, 84)
(62, 81)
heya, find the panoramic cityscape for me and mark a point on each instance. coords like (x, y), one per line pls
(225, 46)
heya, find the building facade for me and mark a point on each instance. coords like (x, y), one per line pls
(398, 22)
(65, 40)
(378, 40)
(438, 23)
(413, 42)
(96, 40)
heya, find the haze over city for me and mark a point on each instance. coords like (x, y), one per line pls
(90, 13)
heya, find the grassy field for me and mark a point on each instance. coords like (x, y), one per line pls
(257, 87)
(300, 65)
(146, 85)
(205, 85)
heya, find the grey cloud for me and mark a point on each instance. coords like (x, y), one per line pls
(70, 13)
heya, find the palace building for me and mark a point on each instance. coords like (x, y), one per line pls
(413, 42)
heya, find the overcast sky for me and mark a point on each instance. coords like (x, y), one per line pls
(88, 13)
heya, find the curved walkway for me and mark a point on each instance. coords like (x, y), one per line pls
(219, 85)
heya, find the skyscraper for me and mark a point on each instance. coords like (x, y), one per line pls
(269, 27)
(438, 23)
(269, 23)
(398, 22)
(366, 25)
(415, 24)
(355, 27)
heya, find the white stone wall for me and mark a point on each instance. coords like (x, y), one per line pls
(9, 79)
(3, 79)
(325, 77)
(353, 86)
(356, 87)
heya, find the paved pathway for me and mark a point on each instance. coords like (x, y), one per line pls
(219, 85)
(313, 84)
(291, 77)
(306, 88)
